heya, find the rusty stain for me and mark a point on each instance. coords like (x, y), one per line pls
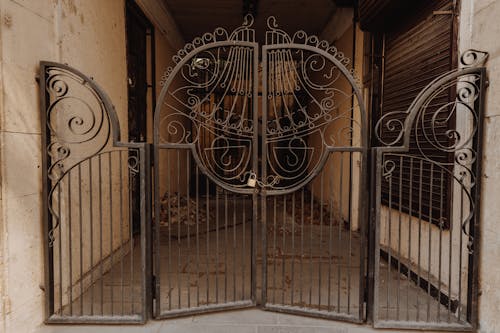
(71, 6)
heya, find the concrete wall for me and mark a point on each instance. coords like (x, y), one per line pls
(169, 158)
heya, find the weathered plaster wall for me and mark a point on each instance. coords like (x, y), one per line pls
(88, 35)
(337, 166)
(169, 158)
(20, 149)
(2, 224)
(479, 29)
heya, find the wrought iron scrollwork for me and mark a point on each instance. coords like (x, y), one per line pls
(210, 106)
(313, 105)
(76, 118)
(79, 126)
(473, 58)
(401, 123)
(432, 128)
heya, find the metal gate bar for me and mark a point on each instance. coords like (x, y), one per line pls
(203, 243)
(309, 168)
(313, 253)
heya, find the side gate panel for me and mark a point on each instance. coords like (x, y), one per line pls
(96, 266)
(427, 205)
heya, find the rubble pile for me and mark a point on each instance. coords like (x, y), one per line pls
(317, 209)
(174, 209)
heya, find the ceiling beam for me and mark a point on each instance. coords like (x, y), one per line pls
(164, 21)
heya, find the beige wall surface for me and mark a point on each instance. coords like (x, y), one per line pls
(90, 36)
(479, 29)
(339, 129)
(168, 158)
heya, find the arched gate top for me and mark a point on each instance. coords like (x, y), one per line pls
(309, 79)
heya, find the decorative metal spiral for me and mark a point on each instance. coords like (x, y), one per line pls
(437, 125)
(312, 105)
(211, 106)
(78, 126)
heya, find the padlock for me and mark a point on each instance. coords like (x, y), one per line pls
(252, 180)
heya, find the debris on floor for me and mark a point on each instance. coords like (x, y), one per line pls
(299, 209)
(181, 216)
(178, 208)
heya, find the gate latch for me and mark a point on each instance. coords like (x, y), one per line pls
(252, 179)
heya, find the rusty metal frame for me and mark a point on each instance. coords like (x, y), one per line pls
(241, 44)
(203, 55)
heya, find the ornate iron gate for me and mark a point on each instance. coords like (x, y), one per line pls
(225, 127)
(260, 191)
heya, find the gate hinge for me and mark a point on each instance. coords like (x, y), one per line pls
(153, 286)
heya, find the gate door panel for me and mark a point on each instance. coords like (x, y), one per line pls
(291, 137)
(314, 172)
(205, 150)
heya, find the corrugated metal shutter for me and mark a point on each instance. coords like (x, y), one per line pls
(370, 12)
(415, 54)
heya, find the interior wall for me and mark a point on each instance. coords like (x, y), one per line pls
(412, 248)
(3, 229)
